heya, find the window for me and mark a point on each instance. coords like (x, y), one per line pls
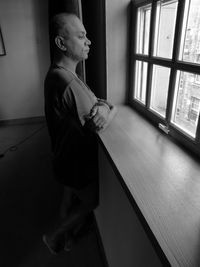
(159, 89)
(143, 22)
(140, 81)
(165, 66)
(186, 103)
(164, 28)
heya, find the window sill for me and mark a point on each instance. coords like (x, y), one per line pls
(163, 182)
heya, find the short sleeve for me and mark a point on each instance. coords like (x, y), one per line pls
(79, 96)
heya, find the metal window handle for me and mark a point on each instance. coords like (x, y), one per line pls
(164, 128)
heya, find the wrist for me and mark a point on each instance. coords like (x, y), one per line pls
(103, 103)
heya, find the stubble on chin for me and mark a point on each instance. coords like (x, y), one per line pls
(74, 57)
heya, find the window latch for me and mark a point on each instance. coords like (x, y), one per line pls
(164, 128)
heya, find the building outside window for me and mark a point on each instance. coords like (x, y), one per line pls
(165, 70)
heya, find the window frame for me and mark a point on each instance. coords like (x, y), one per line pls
(175, 133)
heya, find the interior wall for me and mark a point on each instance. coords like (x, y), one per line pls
(117, 20)
(24, 25)
(124, 239)
(94, 22)
(107, 24)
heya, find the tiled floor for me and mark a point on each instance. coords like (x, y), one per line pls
(29, 200)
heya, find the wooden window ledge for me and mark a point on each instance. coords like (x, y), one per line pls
(163, 180)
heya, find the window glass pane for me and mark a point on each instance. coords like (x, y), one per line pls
(159, 89)
(186, 102)
(143, 27)
(165, 26)
(190, 41)
(140, 81)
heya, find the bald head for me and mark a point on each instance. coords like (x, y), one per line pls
(69, 37)
(62, 24)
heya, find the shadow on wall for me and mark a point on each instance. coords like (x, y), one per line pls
(94, 22)
(40, 9)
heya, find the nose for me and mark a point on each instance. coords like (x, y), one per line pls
(87, 41)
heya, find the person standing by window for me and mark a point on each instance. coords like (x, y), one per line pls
(74, 116)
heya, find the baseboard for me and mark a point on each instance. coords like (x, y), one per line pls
(23, 121)
(100, 243)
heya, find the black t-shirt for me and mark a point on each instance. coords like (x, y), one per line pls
(67, 101)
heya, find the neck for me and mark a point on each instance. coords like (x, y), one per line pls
(67, 63)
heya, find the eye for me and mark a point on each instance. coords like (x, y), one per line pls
(81, 37)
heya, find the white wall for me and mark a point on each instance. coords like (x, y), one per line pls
(116, 49)
(24, 26)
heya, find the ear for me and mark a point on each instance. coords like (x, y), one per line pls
(59, 41)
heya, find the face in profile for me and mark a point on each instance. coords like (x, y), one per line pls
(76, 42)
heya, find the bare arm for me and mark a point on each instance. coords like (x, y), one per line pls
(111, 115)
(101, 116)
(103, 101)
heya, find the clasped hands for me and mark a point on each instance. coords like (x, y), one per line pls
(98, 117)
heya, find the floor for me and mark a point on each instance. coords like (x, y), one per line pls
(29, 200)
